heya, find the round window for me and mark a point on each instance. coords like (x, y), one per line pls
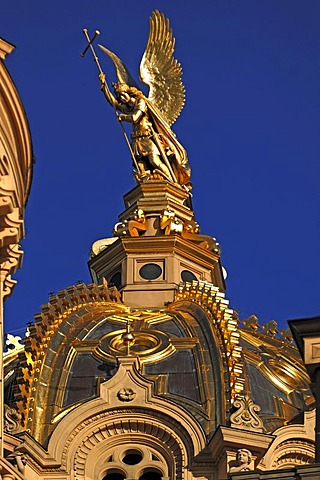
(132, 457)
(187, 276)
(150, 271)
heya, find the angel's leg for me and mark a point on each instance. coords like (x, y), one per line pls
(156, 162)
(142, 167)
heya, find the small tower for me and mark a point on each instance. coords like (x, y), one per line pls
(157, 246)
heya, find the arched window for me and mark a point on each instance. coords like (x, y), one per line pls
(151, 474)
(139, 462)
(114, 475)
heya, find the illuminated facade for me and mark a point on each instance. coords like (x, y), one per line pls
(146, 373)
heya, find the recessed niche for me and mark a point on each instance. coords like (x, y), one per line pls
(115, 280)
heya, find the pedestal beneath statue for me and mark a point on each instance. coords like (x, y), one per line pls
(158, 247)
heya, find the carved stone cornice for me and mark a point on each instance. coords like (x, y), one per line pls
(226, 441)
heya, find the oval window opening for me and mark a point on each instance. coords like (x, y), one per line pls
(150, 271)
(187, 276)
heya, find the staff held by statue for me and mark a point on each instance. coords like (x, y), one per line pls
(102, 76)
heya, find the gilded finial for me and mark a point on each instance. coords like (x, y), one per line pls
(128, 339)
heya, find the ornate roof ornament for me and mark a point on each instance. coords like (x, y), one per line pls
(154, 148)
(270, 328)
(245, 417)
(251, 323)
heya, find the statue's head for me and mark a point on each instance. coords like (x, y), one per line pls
(124, 92)
(244, 456)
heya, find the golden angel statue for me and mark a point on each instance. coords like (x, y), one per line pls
(154, 147)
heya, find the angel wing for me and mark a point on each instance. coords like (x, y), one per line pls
(160, 71)
(123, 74)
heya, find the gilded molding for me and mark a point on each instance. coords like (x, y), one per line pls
(38, 344)
(211, 299)
(278, 360)
(270, 329)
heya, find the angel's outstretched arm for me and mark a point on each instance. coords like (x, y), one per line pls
(105, 89)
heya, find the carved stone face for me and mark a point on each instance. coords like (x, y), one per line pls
(242, 457)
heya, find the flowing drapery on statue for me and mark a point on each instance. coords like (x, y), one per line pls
(154, 147)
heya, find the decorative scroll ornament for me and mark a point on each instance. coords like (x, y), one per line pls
(12, 420)
(170, 224)
(245, 416)
(138, 223)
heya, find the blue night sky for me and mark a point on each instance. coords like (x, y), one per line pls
(250, 126)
